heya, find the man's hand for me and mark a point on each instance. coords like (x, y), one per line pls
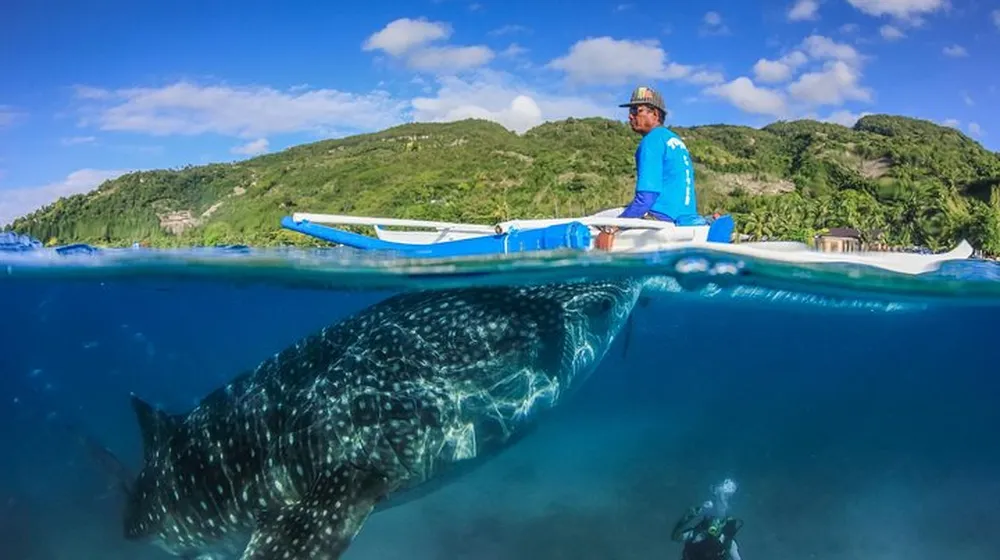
(606, 239)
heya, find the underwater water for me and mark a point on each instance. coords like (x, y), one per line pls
(856, 411)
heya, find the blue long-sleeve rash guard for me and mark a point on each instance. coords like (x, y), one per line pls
(665, 183)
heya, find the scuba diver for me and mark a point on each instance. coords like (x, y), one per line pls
(714, 536)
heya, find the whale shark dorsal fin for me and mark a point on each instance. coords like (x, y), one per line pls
(323, 523)
(155, 425)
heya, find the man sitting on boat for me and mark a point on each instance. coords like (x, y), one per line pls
(664, 187)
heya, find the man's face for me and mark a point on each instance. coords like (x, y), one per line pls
(642, 118)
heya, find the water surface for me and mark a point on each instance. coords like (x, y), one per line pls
(855, 409)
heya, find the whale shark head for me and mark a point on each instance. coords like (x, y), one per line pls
(593, 314)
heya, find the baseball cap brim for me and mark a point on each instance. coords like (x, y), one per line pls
(637, 103)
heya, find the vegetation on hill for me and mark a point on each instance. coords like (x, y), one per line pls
(905, 181)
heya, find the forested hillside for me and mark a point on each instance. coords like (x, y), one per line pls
(916, 182)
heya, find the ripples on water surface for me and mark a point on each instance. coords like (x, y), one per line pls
(855, 409)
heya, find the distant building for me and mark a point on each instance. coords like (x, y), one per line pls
(839, 240)
(847, 240)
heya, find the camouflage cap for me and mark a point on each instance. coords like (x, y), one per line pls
(644, 95)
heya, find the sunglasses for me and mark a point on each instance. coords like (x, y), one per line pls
(635, 110)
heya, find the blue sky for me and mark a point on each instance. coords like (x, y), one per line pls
(91, 92)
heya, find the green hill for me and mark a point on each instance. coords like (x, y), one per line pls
(917, 182)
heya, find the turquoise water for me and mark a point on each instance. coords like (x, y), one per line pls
(856, 409)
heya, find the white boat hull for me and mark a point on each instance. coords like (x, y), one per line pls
(626, 241)
(651, 236)
(630, 240)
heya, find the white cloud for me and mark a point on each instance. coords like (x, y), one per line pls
(901, 9)
(404, 34)
(955, 51)
(18, 202)
(252, 148)
(713, 24)
(996, 18)
(498, 97)
(604, 60)
(410, 39)
(8, 116)
(742, 93)
(820, 47)
(849, 28)
(967, 99)
(837, 81)
(513, 50)
(770, 71)
(834, 85)
(952, 123)
(976, 130)
(774, 71)
(845, 118)
(449, 59)
(241, 111)
(804, 10)
(706, 77)
(76, 140)
(890, 33)
(508, 29)
(833, 78)
(87, 92)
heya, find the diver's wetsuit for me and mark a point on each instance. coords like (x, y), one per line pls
(710, 539)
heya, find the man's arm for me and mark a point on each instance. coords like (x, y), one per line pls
(641, 204)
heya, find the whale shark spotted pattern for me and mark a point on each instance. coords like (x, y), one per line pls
(290, 459)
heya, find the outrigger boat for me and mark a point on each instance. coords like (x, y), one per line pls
(435, 239)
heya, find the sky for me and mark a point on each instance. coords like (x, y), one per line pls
(91, 92)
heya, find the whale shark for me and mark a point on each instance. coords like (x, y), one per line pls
(289, 459)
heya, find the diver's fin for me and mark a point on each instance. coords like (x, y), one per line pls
(155, 425)
(323, 523)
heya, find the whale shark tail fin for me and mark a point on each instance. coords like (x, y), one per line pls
(155, 425)
(324, 522)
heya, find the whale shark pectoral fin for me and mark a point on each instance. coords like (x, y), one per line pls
(104, 458)
(323, 523)
(627, 342)
(642, 301)
(155, 425)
